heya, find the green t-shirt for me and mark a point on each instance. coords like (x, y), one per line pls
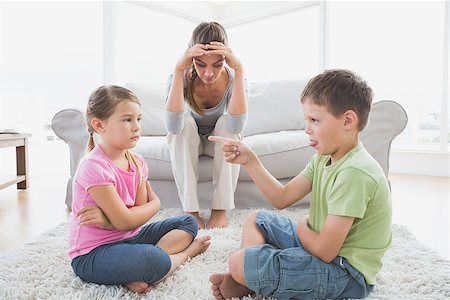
(353, 186)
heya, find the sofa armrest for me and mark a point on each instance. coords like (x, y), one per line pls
(70, 126)
(387, 119)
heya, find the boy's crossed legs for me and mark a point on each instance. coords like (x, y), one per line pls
(232, 284)
(277, 265)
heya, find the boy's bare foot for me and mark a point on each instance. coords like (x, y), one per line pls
(139, 287)
(200, 223)
(223, 286)
(218, 219)
(198, 246)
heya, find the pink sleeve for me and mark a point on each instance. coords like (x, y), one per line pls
(94, 172)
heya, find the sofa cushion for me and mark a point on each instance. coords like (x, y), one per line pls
(284, 154)
(152, 101)
(154, 150)
(275, 106)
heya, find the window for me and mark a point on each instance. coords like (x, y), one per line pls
(144, 44)
(398, 47)
(53, 54)
(51, 58)
(279, 47)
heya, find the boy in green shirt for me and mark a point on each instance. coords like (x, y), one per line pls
(336, 251)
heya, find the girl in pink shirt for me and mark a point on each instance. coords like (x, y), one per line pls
(112, 200)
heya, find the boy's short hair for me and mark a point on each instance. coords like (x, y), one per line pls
(340, 90)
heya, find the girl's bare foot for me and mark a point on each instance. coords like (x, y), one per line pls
(198, 246)
(200, 223)
(218, 219)
(139, 287)
(223, 286)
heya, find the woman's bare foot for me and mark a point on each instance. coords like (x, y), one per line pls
(139, 287)
(223, 286)
(218, 219)
(198, 246)
(200, 223)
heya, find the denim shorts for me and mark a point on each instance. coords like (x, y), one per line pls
(283, 269)
(136, 259)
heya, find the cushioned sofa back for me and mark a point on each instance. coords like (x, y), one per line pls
(275, 106)
(151, 96)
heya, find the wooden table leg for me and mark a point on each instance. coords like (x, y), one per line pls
(22, 164)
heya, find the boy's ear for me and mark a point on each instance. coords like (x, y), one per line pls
(350, 119)
(97, 124)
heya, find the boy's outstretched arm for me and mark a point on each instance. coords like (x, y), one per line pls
(279, 195)
(326, 244)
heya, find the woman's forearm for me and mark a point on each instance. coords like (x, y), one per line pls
(175, 99)
(238, 102)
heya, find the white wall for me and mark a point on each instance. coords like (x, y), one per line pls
(423, 163)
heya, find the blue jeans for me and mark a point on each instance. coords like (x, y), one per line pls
(135, 259)
(290, 272)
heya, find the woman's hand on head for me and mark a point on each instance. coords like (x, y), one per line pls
(93, 215)
(185, 62)
(230, 57)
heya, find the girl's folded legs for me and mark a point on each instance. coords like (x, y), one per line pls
(139, 287)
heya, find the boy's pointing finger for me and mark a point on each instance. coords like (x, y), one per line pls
(219, 139)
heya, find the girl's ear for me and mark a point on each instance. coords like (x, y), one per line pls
(97, 124)
(351, 120)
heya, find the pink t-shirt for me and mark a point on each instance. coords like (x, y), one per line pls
(97, 169)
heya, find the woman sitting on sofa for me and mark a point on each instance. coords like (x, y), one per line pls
(205, 97)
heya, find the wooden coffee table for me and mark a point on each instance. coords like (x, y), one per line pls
(20, 141)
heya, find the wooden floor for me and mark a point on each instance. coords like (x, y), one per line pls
(26, 214)
(421, 203)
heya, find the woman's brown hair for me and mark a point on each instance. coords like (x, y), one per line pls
(204, 33)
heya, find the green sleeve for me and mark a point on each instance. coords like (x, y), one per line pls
(351, 193)
(308, 172)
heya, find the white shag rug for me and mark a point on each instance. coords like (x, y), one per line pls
(41, 269)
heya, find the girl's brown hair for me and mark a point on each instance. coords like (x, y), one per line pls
(204, 33)
(101, 105)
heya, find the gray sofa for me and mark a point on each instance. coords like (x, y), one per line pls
(275, 130)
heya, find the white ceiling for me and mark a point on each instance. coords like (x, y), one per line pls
(228, 13)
